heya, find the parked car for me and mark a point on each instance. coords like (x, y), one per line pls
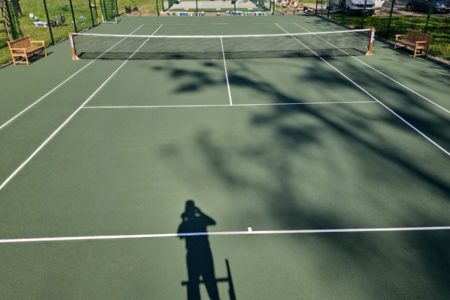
(440, 6)
(379, 3)
(356, 6)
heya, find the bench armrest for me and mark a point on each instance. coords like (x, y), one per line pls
(398, 36)
(422, 42)
(38, 42)
(18, 49)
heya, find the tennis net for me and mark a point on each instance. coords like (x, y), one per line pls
(280, 45)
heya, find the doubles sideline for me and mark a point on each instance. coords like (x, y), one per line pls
(376, 70)
(57, 130)
(445, 151)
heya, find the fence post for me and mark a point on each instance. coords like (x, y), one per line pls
(104, 13)
(73, 17)
(315, 12)
(157, 8)
(390, 19)
(90, 11)
(48, 22)
(430, 8)
(363, 14)
(328, 9)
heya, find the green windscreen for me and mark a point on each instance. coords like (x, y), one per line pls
(109, 9)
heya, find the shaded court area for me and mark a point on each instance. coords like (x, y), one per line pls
(301, 177)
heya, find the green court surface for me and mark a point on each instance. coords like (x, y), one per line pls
(326, 177)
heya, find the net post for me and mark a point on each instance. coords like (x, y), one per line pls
(371, 40)
(73, 48)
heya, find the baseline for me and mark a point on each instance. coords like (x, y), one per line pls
(249, 231)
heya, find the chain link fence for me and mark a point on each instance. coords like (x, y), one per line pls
(391, 17)
(51, 20)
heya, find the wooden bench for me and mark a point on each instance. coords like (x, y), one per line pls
(23, 48)
(418, 41)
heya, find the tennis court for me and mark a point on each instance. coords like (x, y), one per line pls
(318, 172)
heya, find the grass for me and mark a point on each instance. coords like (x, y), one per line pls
(58, 8)
(147, 7)
(439, 27)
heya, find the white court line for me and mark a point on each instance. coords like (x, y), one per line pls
(63, 82)
(193, 24)
(378, 71)
(226, 72)
(249, 231)
(22, 165)
(223, 105)
(370, 95)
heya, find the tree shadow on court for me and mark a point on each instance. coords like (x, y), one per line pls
(199, 257)
(287, 200)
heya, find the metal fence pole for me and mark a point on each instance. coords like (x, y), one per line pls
(390, 19)
(157, 8)
(90, 11)
(74, 21)
(196, 7)
(315, 12)
(96, 12)
(48, 22)
(328, 9)
(363, 14)
(344, 11)
(105, 14)
(430, 8)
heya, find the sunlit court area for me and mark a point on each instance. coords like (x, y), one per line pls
(220, 155)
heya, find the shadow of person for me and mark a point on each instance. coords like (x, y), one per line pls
(199, 256)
